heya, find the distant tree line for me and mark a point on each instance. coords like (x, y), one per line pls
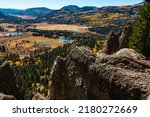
(2, 29)
(58, 33)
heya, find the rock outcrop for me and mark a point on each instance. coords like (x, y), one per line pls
(117, 41)
(112, 44)
(124, 37)
(8, 85)
(6, 97)
(38, 96)
(85, 75)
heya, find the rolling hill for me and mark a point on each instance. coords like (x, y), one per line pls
(10, 11)
(9, 19)
(90, 15)
(3, 18)
(2, 15)
(34, 12)
(71, 8)
(101, 20)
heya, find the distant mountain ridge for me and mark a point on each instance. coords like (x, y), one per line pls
(35, 12)
(75, 14)
(10, 11)
(106, 18)
(42, 11)
(3, 17)
(70, 7)
(101, 20)
(9, 19)
(77, 8)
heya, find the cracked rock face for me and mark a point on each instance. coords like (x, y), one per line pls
(85, 75)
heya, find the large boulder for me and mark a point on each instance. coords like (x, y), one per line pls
(85, 75)
(130, 53)
(8, 85)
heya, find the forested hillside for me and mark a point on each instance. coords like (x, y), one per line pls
(102, 20)
(35, 12)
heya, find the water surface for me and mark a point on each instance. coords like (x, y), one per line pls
(11, 34)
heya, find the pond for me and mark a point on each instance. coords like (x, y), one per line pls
(11, 34)
(44, 43)
(66, 39)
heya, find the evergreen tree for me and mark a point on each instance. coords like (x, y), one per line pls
(140, 39)
(147, 0)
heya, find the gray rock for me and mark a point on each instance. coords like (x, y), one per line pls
(130, 53)
(148, 98)
(6, 97)
(83, 75)
(117, 41)
(124, 37)
(112, 44)
(38, 96)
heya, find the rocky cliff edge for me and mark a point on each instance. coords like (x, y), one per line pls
(85, 75)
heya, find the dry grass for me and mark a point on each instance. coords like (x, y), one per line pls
(22, 41)
(46, 26)
(37, 39)
(53, 42)
(9, 27)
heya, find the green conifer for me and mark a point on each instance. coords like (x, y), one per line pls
(140, 39)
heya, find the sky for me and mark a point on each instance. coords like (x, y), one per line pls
(56, 4)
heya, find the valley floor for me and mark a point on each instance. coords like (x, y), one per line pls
(26, 43)
(73, 28)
